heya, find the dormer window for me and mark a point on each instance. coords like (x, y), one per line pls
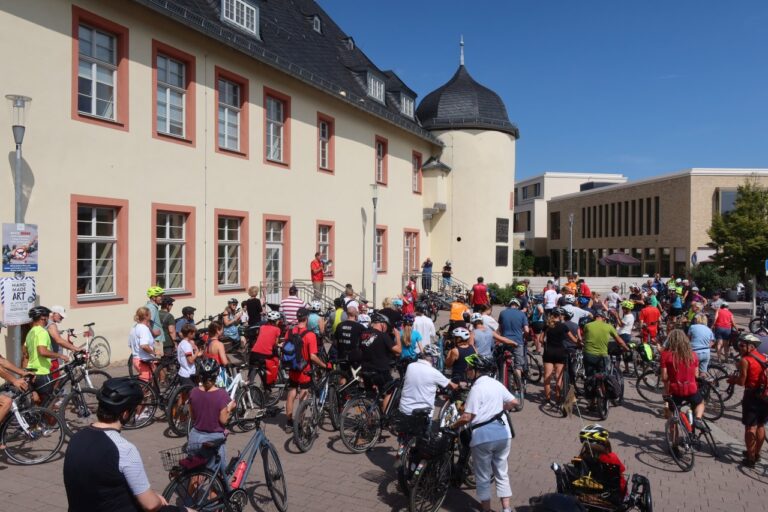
(242, 14)
(349, 43)
(406, 105)
(317, 26)
(375, 87)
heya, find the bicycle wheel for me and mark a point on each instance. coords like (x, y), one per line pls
(404, 471)
(334, 413)
(516, 386)
(565, 390)
(249, 402)
(78, 410)
(680, 449)
(39, 442)
(99, 352)
(649, 385)
(448, 414)
(601, 403)
(715, 406)
(198, 489)
(164, 375)
(360, 424)
(275, 392)
(177, 411)
(716, 371)
(96, 378)
(146, 410)
(730, 399)
(273, 474)
(755, 325)
(305, 424)
(430, 486)
(707, 435)
(534, 369)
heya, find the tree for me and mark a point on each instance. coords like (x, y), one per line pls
(741, 235)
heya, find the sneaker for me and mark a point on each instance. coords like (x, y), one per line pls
(143, 416)
(289, 427)
(700, 425)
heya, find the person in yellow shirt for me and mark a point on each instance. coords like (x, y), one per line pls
(37, 353)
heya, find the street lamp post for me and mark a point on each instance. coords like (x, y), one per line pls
(18, 106)
(570, 242)
(375, 268)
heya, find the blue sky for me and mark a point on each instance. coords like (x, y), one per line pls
(638, 87)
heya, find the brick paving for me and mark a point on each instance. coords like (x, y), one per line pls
(330, 478)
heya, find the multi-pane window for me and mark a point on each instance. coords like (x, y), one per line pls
(229, 114)
(171, 95)
(96, 249)
(381, 154)
(554, 226)
(416, 173)
(381, 237)
(317, 25)
(406, 105)
(411, 252)
(97, 72)
(228, 251)
(170, 265)
(375, 87)
(241, 13)
(275, 128)
(324, 142)
(324, 241)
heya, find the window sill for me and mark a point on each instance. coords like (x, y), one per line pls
(177, 293)
(324, 170)
(110, 123)
(99, 298)
(174, 138)
(232, 152)
(230, 288)
(382, 183)
(278, 163)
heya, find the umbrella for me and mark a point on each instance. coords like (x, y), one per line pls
(619, 258)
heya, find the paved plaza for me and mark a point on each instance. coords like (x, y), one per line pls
(330, 478)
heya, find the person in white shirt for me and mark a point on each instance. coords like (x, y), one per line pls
(613, 298)
(142, 344)
(424, 326)
(485, 410)
(488, 320)
(550, 297)
(576, 313)
(421, 382)
(187, 353)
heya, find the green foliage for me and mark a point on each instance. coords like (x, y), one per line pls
(741, 235)
(711, 277)
(541, 265)
(502, 294)
(523, 262)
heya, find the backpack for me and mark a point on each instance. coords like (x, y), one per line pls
(762, 388)
(293, 351)
(612, 386)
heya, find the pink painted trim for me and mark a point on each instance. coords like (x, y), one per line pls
(190, 234)
(418, 157)
(410, 231)
(244, 250)
(384, 248)
(121, 255)
(244, 108)
(331, 143)
(189, 98)
(385, 164)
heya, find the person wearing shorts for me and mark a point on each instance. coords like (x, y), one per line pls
(142, 344)
(298, 380)
(754, 411)
(723, 326)
(513, 325)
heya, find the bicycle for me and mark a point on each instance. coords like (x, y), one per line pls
(683, 437)
(338, 395)
(759, 324)
(601, 391)
(31, 435)
(309, 412)
(515, 382)
(195, 486)
(98, 348)
(432, 475)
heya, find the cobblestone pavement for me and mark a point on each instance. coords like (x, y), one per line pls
(330, 478)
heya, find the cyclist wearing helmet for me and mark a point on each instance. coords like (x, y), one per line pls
(485, 412)
(513, 325)
(263, 355)
(348, 336)
(410, 340)
(316, 323)
(596, 449)
(479, 296)
(231, 318)
(458, 310)
(537, 322)
(187, 318)
(625, 323)
(649, 318)
(168, 325)
(456, 357)
(37, 353)
(521, 294)
(299, 380)
(569, 304)
(104, 471)
(754, 411)
(483, 337)
(155, 295)
(209, 407)
(597, 336)
(378, 349)
(421, 382)
(555, 352)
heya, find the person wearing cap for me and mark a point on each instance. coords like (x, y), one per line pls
(290, 305)
(298, 380)
(102, 469)
(723, 326)
(58, 313)
(754, 411)
(168, 324)
(378, 349)
(187, 318)
(231, 318)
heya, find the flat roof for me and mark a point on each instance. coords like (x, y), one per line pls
(694, 171)
(593, 176)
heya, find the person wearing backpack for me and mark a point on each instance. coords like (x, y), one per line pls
(299, 353)
(753, 375)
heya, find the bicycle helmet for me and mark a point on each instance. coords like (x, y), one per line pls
(38, 312)
(378, 318)
(520, 288)
(273, 316)
(748, 337)
(476, 317)
(627, 304)
(154, 291)
(513, 302)
(594, 433)
(431, 351)
(397, 302)
(567, 314)
(232, 301)
(408, 319)
(315, 305)
(554, 502)
(558, 312)
(188, 310)
(208, 369)
(481, 364)
(460, 332)
(569, 299)
(302, 313)
(119, 394)
(167, 300)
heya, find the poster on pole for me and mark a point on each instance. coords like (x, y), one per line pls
(20, 247)
(17, 295)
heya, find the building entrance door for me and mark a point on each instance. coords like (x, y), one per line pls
(274, 261)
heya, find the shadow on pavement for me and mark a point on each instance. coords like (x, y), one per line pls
(651, 450)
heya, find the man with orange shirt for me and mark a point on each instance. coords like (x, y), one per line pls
(649, 322)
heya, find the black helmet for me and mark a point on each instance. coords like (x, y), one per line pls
(559, 311)
(481, 364)
(380, 318)
(554, 502)
(38, 312)
(119, 394)
(188, 310)
(208, 369)
(167, 299)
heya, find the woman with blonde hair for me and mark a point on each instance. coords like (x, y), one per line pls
(679, 371)
(142, 344)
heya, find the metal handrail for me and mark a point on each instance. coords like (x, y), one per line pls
(458, 287)
(306, 292)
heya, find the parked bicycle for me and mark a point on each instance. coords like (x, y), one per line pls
(98, 348)
(683, 438)
(310, 411)
(515, 382)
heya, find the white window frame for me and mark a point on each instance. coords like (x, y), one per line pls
(406, 105)
(381, 154)
(225, 111)
(324, 141)
(95, 65)
(164, 92)
(415, 172)
(410, 251)
(93, 239)
(317, 25)
(167, 243)
(376, 87)
(324, 242)
(241, 14)
(275, 129)
(229, 241)
(380, 236)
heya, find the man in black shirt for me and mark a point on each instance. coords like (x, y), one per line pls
(348, 335)
(378, 349)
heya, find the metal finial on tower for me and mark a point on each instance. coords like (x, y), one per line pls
(461, 44)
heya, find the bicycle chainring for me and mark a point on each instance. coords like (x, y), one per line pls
(238, 500)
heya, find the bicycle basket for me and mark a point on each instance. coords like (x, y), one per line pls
(188, 456)
(411, 424)
(430, 446)
(172, 457)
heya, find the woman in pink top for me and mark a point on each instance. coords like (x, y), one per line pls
(723, 327)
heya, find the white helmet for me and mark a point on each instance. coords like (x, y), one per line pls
(569, 299)
(476, 317)
(460, 332)
(273, 316)
(431, 351)
(315, 305)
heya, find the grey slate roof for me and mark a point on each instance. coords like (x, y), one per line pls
(289, 44)
(464, 103)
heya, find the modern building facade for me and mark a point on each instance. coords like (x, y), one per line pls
(661, 221)
(210, 145)
(530, 201)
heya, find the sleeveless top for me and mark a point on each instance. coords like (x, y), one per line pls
(459, 369)
(754, 370)
(232, 331)
(210, 354)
